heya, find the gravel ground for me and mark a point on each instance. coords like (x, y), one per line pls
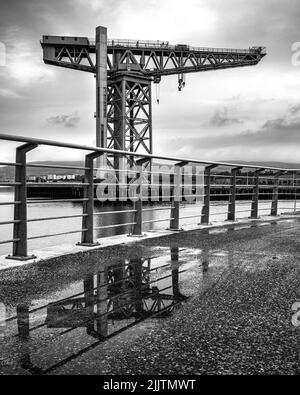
(239, 323)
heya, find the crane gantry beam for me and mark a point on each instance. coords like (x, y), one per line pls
(124, 71)
(146, 57)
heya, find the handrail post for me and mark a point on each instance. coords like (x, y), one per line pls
(296, 194)
(87, 236)
(138, 204)
(20, 210)
(274, 206)
(23, 321)
(206, 203)
(102, 302)
(232, 196)
(176, 197)
(255, 195)
(138, 226)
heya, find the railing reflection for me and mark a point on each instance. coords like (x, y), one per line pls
(121, 293)
(113, 300)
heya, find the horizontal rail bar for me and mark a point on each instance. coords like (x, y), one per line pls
(187, 205)
(157, 209)
(223, 213)
(222, 176)
(191, 216)
(118, 170)
(220, 194)
(57, 200)
(39, 165)
(115, 212)
(9, 241)
(159, 172)
(72, 184)
(9, 203)
(165, 185)
(10, 184)
(285, 208)
(114, 226)
(157, 220)
(193, 194)
(56, 234)
(9, 164)
(284, 200)
(220, 185)
(9, 222)
(58, 144)
(54, 218)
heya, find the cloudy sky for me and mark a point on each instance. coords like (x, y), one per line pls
(249, 113)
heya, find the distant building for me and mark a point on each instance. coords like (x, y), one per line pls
(54, 178)
(31, 178)
(51, 177)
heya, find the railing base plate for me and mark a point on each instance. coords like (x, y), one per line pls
(175, 230)
(87, 244)
(132, 235)
(21, 258)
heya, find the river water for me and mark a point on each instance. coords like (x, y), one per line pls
(41, 210)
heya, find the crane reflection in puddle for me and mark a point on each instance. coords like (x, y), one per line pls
(114, 299)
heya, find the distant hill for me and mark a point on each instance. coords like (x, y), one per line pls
(283, 165)
(7, 172)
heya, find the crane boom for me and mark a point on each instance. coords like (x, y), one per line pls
(151, 58)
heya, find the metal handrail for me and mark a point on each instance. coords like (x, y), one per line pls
(234, 190)
(91, 148)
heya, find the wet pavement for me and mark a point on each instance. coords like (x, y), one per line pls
(202, 302)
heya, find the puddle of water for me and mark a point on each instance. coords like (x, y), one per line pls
(240, 227)
(217, 231)
(52, 327)
(219, 253)
(58, 325)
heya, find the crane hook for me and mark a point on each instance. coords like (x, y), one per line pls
(157, 91)
(181, 81)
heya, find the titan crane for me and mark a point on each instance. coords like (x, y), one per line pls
(124, 71)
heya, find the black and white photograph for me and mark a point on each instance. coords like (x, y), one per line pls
(149, 190)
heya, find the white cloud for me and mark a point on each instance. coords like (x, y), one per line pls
(23, 59)
(253, 95)
(9, 93)
(170, 20)
(25, 70)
